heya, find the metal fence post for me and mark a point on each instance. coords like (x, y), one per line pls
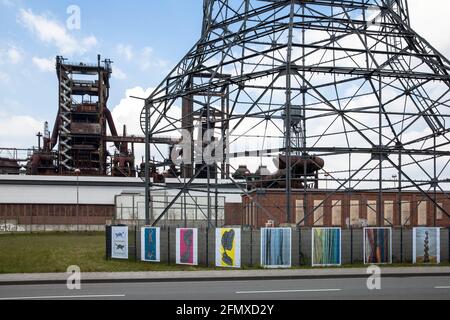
(351, 245)
(135, 243)
(251, 247)
(108, 236)
(300, 254)
(44, 218)
(47, 219)
(207, 249)
(31, 220)
(168, 245)
(401, 244)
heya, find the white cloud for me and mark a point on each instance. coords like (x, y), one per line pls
(44, 64)
(52, 32)
(4, 77)
(125, 51)
(145, 58)
(430, 19)
(148, 60)
(18, 131)
(89, 42)
(118, 74)
(14, 55)
(128, 111)
(11, 55)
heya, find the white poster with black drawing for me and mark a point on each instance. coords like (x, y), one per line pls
(119, 245)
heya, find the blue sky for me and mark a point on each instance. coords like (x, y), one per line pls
(145, 39)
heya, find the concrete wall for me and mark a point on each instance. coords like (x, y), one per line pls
(352, 251)
(347, 248)
(402, 246)
(358, 246)
(251, 248)
(445, 243)
(305, 243)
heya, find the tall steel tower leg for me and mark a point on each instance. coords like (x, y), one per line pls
(344, 90)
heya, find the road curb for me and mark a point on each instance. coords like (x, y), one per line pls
(220, 279)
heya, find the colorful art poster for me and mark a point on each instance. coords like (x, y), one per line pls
(228, 248)
(150, 244)
(186, 246)
(426, 245)
(326, 247)
(119, 243)
(377, 245)
(276, 247)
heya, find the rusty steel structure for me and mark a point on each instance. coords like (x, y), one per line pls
(81, 122)
(79, 141)
(339, 91)
(9, 166)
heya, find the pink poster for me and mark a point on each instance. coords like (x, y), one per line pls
(187, 246)
(187, 242)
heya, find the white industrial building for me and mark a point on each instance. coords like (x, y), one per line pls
(61, 202)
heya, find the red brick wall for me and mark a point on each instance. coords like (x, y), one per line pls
(274, 204)
(233, 214)
(51, 214)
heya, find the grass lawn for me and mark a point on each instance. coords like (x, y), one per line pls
(44, 253)
(54, 252)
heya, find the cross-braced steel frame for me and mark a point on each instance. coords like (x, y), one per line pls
(348, 81)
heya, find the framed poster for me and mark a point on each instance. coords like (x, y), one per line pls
(427, 245)
(187, 246)
(276, 247)
(228, 248)
(377, 245)
(326, 247)
(119, 243)
(150, 244)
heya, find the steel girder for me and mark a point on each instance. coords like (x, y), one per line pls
(350, 81)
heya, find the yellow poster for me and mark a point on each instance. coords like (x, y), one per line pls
(228, 248)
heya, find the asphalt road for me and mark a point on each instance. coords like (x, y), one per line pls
(423, 288)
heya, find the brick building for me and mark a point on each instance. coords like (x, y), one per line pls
(65, 203)
(48, 203)
(343, 209)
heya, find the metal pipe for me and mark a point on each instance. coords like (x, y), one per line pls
(112, 126)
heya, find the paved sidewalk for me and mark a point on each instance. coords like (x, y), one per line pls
(178, 276)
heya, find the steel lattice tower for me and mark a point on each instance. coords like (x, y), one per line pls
(348, 81)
